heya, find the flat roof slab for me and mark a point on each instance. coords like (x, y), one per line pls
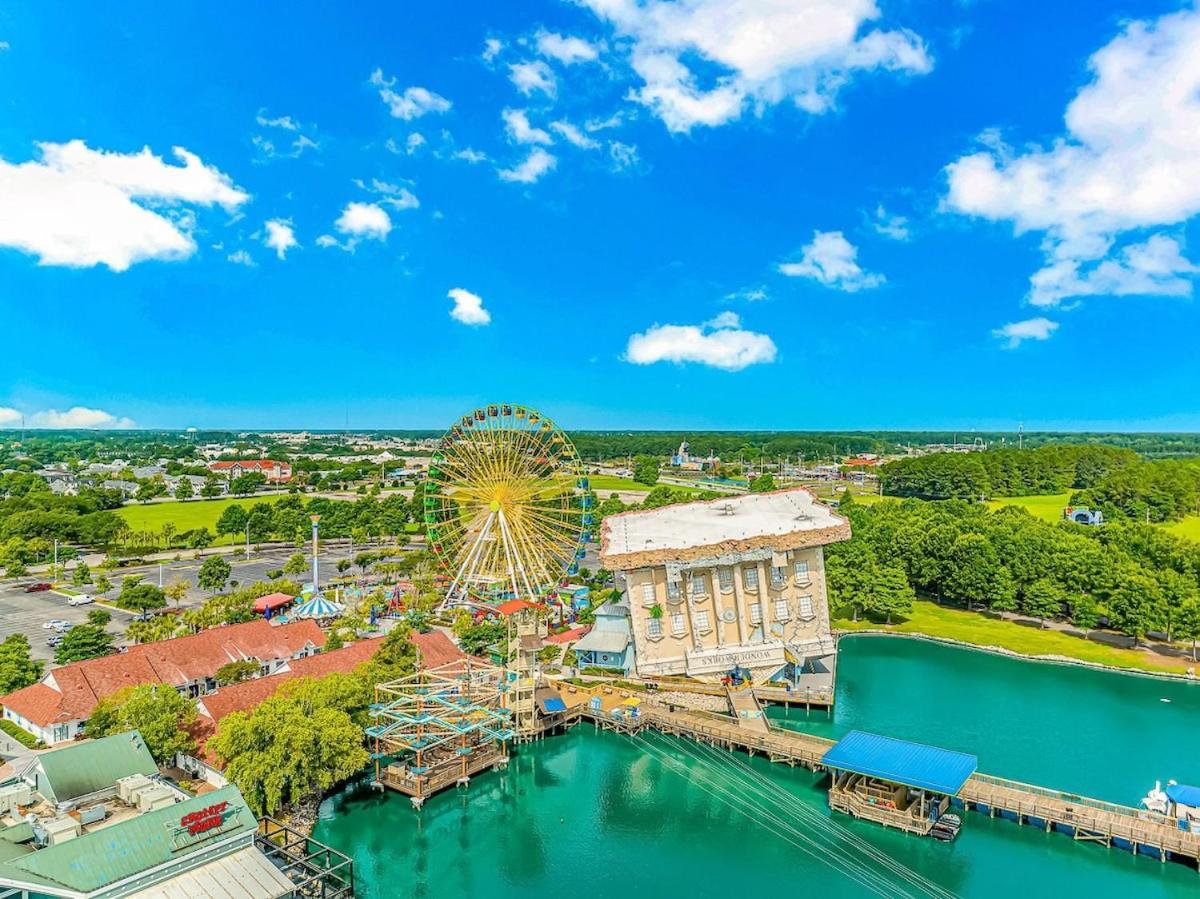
(780, 520)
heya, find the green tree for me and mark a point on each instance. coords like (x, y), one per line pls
(237, 671)
(99, 617)
(396, 657)
(102, 584)
(157, 711)
(184, 489)
(84, 641)
(891, 592)
(1085, 613)
(200, 538)
(294, 744)
(17, 669)
(1044, 599)
(149, 490)
(1134, 607)
(764, 483)
(151, 630)
(233, 520)
(245, 484)
(82, 575)
(364, 560)
(296, 564)
(1187, 623)
(214, 573)
(343, 565)
(211, 488)
(143, 597)
(176, 591)
(462, 621)
(645, 470)
(15, 568)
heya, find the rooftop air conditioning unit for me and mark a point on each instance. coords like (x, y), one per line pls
(128, 786)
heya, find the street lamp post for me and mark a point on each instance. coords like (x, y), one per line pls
(316, 581)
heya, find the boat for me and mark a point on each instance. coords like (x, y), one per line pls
(1178, 801)
(946, 828)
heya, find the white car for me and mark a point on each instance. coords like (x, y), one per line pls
(81, 600)
(57, 624)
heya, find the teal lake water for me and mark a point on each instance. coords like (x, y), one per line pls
(598, 815)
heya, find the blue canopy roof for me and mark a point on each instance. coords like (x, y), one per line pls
(1183, 794)
(899, 761)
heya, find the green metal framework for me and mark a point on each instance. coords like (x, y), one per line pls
(440, 726)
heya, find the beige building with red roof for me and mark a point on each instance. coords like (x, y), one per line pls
(55, 708)
(275, 472)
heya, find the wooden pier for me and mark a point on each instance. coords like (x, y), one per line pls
(1081, 817)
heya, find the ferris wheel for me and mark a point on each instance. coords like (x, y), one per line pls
(507, 507)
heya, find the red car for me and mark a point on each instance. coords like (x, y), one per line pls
(38, 588)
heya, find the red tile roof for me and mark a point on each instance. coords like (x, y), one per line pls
(71, 692)
(435, 649)
(248, 464)
(514, 605)
(569, 636)
(272, 601)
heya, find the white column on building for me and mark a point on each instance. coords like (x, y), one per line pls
(686, 587)
(740, 608)
(715, 583)
(764, 596)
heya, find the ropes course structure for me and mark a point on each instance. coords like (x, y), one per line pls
(736, 784)
(507, 508)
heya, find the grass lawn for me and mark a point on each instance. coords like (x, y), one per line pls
(932, 620)
(1188, 527)
(187, 515)
(1048, 507)
(612, 482)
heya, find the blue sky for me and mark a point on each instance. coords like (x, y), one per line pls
(846, 214)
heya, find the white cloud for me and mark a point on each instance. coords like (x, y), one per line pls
(491, 49)
(890, 225)
(1127, 164)
(767, 51)
(415, 141)
(536, 164)
(1030, 329)
(574, 135)
(720, 343)
(533, 77)
(359, 221)
(412, 103)
(468, 308)
(470, 155)
(566, 49)
(5, 46)
(749, 294)
(281, 237)
(241, 257)
(397, 196)
(9, 416)
(79, 207)
(516, 124)
(297, 141)
(833, 261)
(622, 155)
(78, 417)
(286, 122)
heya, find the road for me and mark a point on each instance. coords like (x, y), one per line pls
(22, 612)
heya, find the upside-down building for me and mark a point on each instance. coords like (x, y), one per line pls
(731, 582)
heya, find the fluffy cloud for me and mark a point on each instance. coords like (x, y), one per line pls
(492, 48)
(366, 220)
(889, 225)
(78, 417)
(241, 257)
(536, 164)
(573, 135)
(833, 261)
(1127, 164)
(296, 142)
(412, 102)
(1031, 329)
(567, 49)
(766, 51)
(623, 156)
(469, 155)
(516, 125)
(9, 416)
(396, 196)
(533, 77)
(468, 308)
(280, 236)
(720, 343)
(80, 207)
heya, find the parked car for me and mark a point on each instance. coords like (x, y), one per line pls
(57, 624)
(38, 588)
(54, 639)
(81, 599)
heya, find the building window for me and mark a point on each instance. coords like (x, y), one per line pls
(801, 569)
(648, 594)
(654, 628)
(778, 578)
(725, 578)
(702, 620)
(805, 606)
(782, 612)
(750, 574)
(699, 588)
(673, 590)
(755, 613)
(677, 627)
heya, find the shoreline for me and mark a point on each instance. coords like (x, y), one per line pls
(1010, 653)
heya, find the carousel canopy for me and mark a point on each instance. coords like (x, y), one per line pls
(317, 607)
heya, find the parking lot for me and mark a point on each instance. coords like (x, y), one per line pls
(25, 613)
